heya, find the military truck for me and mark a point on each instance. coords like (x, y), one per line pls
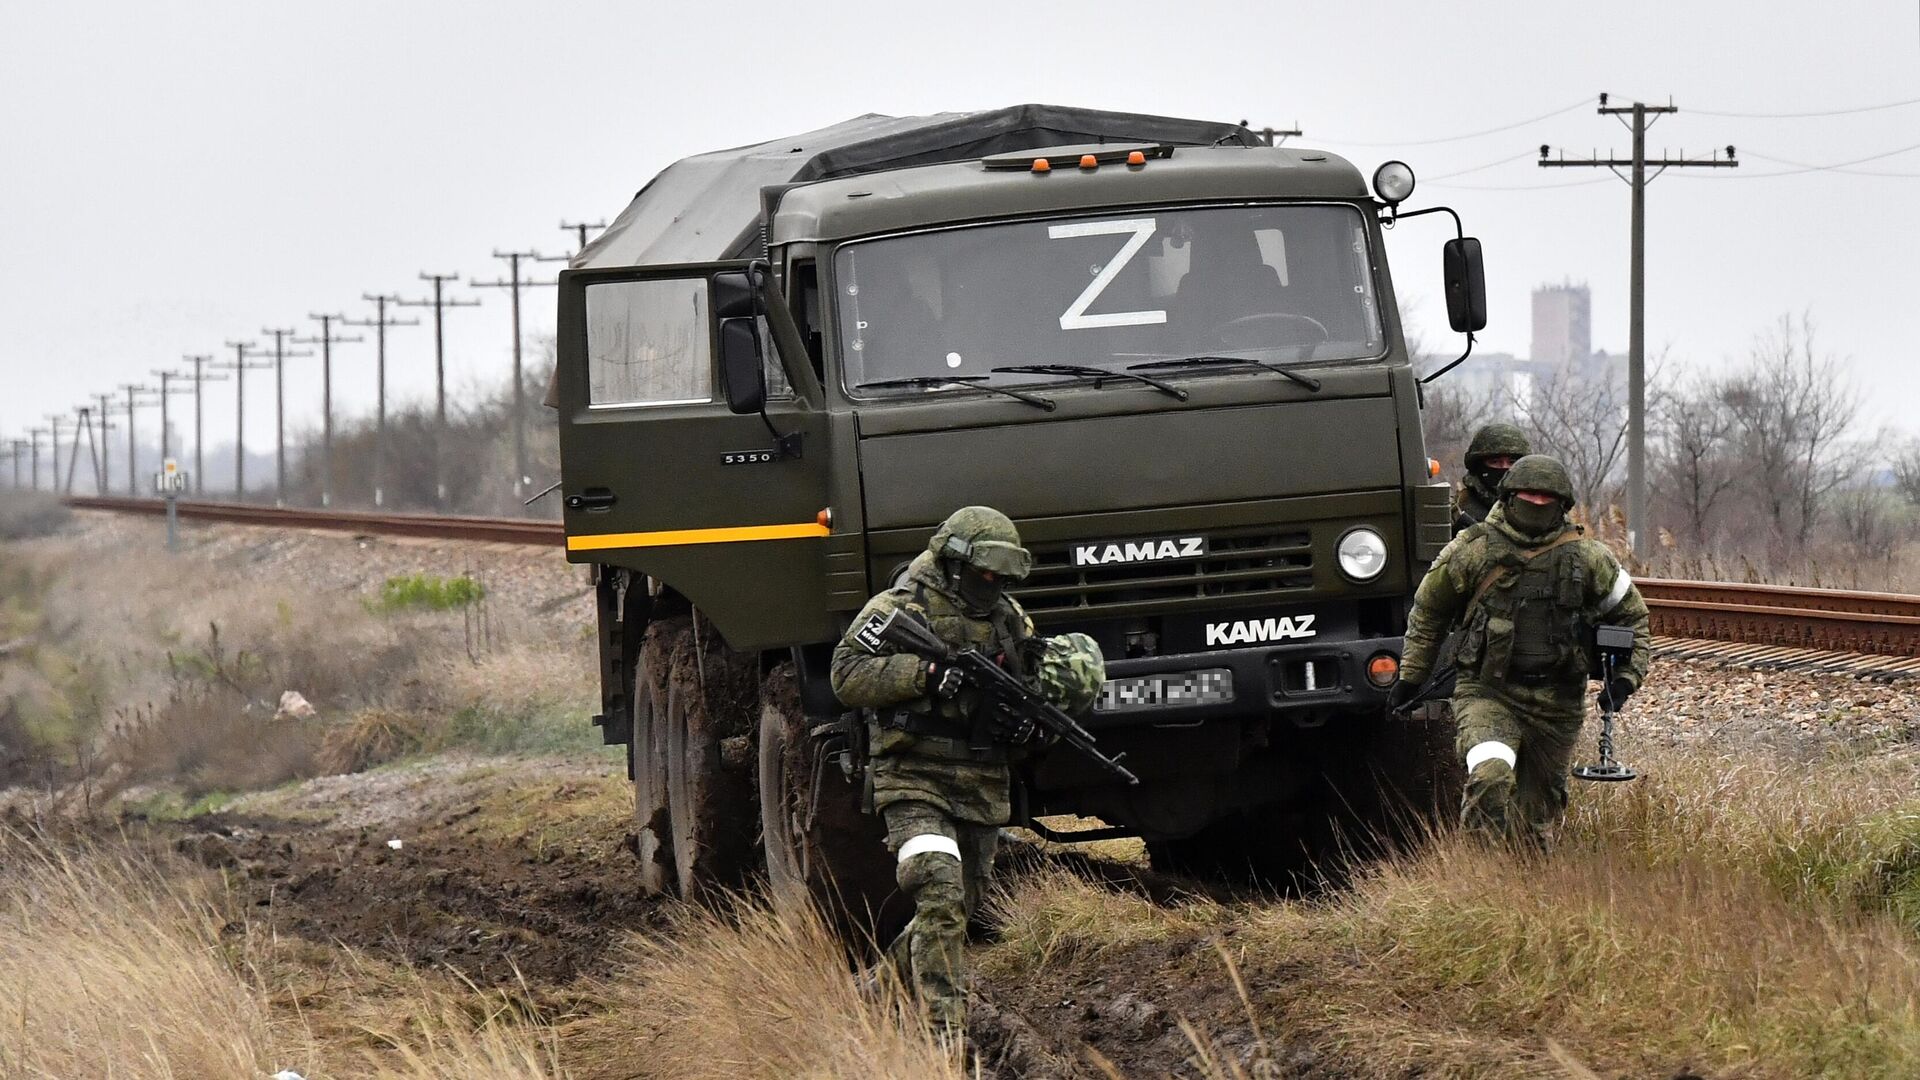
(1169, 352)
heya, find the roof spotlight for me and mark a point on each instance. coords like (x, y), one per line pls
(1393, 182)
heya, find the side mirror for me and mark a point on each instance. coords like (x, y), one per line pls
(743, 371)
(1466, 284)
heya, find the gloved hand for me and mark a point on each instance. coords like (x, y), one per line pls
(1402, 695)
(1023, 734)
(943, 680)
(1619, 688)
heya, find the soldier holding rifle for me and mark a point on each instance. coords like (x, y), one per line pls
(944, 726)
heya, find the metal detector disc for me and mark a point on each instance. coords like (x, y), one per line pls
(1611, 772)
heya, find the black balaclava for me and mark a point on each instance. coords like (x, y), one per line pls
(977, 594)
(1489, 476)
(1533, 519)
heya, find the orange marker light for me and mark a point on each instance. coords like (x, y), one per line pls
(1433, 467)
(1137, 158)
(824, 518)
(1088, 161)
(1041, 164)
(1382, 670)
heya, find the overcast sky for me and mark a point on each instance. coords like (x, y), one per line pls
(174, 176)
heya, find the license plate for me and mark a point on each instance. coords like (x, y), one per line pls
(1208, 687)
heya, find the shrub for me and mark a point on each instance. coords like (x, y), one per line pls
(428, 591)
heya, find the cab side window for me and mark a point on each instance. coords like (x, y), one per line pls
(648, 343)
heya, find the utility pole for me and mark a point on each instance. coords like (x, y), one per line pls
(83, 420)
(19, 448)
(199, 362)
(133, 392)
(514, 284)
(439, 304)
(33, 437)
(380, 322)
(1267, 134)
(327, 340)
(54, 420)
(280, 357)
(239, 365)
(106, 429)
(166, 422)
(1637, 529)
(579, 228)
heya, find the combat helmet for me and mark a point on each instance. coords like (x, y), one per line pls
(983, 538)
(1497, 439)
(1539, 472)
(1071, 672)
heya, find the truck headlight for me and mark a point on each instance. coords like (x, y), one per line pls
(1362, 554)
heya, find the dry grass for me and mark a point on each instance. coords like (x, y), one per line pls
(1729, 913)
(760, 992)
(118, 962)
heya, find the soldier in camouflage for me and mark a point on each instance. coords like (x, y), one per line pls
(942, 800)
(1524, 589)
(1492, 451)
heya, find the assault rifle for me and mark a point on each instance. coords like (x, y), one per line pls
(1008, 707)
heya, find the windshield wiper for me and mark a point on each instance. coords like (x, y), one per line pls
(955, 382)
(1087, 371)
(1307, 381)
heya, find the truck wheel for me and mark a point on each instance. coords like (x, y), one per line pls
(819, 845)
(653, 833)
(709, 790)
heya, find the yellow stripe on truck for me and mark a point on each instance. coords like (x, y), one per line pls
(669, 537)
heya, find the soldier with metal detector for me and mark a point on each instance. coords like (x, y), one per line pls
(1538, 609)
(955, 684)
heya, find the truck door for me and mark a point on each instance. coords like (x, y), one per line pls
(659, 475)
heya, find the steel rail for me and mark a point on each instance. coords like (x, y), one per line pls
(1834, 620)
(444, 527)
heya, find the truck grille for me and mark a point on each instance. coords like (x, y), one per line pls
(1239, 563)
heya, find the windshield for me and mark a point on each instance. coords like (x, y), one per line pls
(1275, 283)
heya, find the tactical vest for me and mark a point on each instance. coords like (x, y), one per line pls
(999, 634)
(1527, 623)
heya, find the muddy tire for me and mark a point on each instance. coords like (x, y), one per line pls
(820, 845)
(710, 795)
(653, 832)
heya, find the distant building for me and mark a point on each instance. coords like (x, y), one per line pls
(1563, 325)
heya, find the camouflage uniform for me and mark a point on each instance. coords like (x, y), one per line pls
(1523, 600)
(1480, 485)
(944, 802)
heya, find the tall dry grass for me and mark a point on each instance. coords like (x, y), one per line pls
(117, 961)
(1732, 913)
(761, 991)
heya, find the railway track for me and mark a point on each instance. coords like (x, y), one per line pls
(1873, 635)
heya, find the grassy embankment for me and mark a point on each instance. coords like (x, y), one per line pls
(1737, 915)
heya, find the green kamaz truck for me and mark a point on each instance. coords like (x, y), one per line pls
(1169, 352)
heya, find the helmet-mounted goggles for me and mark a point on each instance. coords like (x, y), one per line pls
(1010, 561)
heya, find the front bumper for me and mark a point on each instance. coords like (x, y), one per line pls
(1305, 683)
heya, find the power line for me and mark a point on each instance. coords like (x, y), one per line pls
(1520, 187)
(1465, 135)
(1838, 166)
(1478, 168)
(1807, 115)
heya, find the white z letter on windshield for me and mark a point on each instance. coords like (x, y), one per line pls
(1076, 317)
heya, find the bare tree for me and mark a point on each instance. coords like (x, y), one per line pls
(1693, 461)
(1579, 417)
(1794, 409)
(1906, 471)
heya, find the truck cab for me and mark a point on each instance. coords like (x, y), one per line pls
(1171, 354)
